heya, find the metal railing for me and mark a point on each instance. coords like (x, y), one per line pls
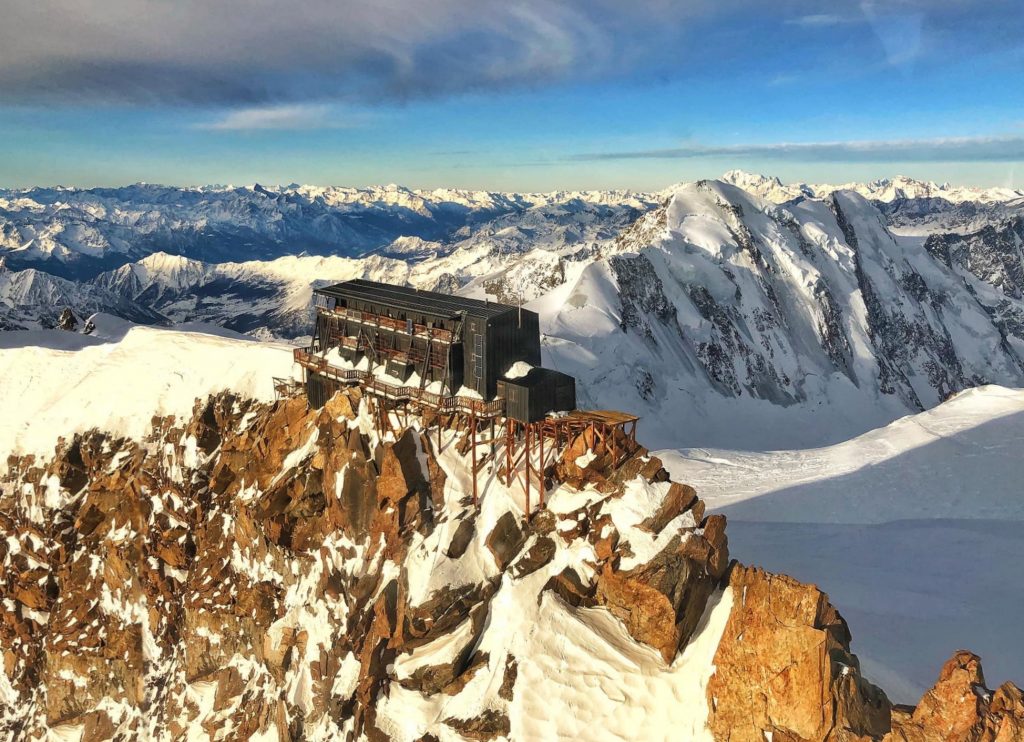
(373, 385)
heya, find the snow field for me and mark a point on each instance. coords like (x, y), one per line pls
(915, 530)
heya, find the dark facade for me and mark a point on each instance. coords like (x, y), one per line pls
(531, 397)
(454, 340)
(319, 389)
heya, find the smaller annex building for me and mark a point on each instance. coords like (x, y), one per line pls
(446, 352)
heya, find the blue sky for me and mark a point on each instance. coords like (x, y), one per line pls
(509, 95)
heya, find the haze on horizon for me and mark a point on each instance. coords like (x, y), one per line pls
(528, 95)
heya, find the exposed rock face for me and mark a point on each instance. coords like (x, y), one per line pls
(67, 320)
(505, 540)
(268, 569)
(721, 294)
(784, 668)
(959, 707)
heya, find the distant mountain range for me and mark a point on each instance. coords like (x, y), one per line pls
(79, 233)
(885, 190)
(790, 306)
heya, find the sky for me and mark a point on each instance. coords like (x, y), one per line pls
(534, 95)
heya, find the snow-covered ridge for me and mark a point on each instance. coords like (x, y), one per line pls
(884, 189)
(119, 377)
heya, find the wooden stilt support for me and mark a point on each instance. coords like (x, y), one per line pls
(508, 452)
(615, 452)
(540, 475)
(527, 472)
(472, 445)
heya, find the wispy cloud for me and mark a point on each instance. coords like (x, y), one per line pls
(286, 117)
(955, 149)
(226, 52)
(785, 78)
(819, 20)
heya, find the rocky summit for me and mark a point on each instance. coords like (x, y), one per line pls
(266, 571)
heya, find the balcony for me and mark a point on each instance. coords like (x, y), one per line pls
(372, 385)
(433, 334)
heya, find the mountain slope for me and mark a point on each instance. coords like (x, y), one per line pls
(916, 529)
(33, 299)
(753, 322)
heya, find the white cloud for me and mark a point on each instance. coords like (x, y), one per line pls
(298, 116)
(818, 20)
(949, 149)
(238, 53)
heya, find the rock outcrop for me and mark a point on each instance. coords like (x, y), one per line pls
(267, 569)
(959, 707)
(784, 669)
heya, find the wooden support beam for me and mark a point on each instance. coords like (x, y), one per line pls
(540, 485)
(508, 452)
(472, 445)
(527, 472)
(518, 458)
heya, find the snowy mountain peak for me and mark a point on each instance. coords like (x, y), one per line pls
(745, 179)
(162, 262)
(885, 190)
(765, 186)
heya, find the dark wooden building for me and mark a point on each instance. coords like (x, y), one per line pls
(530, 397)
(456, 341)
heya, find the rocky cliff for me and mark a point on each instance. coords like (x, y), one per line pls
(264, 571)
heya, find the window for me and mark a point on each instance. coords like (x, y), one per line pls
(478, 358)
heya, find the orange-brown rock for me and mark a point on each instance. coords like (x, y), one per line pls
(659, 602)
(678, 499)
(784, 668)
(505, 540)
(647, 613)
(959, 708)
(714, 534)
(491, 724)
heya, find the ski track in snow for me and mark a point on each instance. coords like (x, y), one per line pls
(915, 530)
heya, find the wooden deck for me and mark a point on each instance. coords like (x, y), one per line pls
(372, 385)
(608, 417)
